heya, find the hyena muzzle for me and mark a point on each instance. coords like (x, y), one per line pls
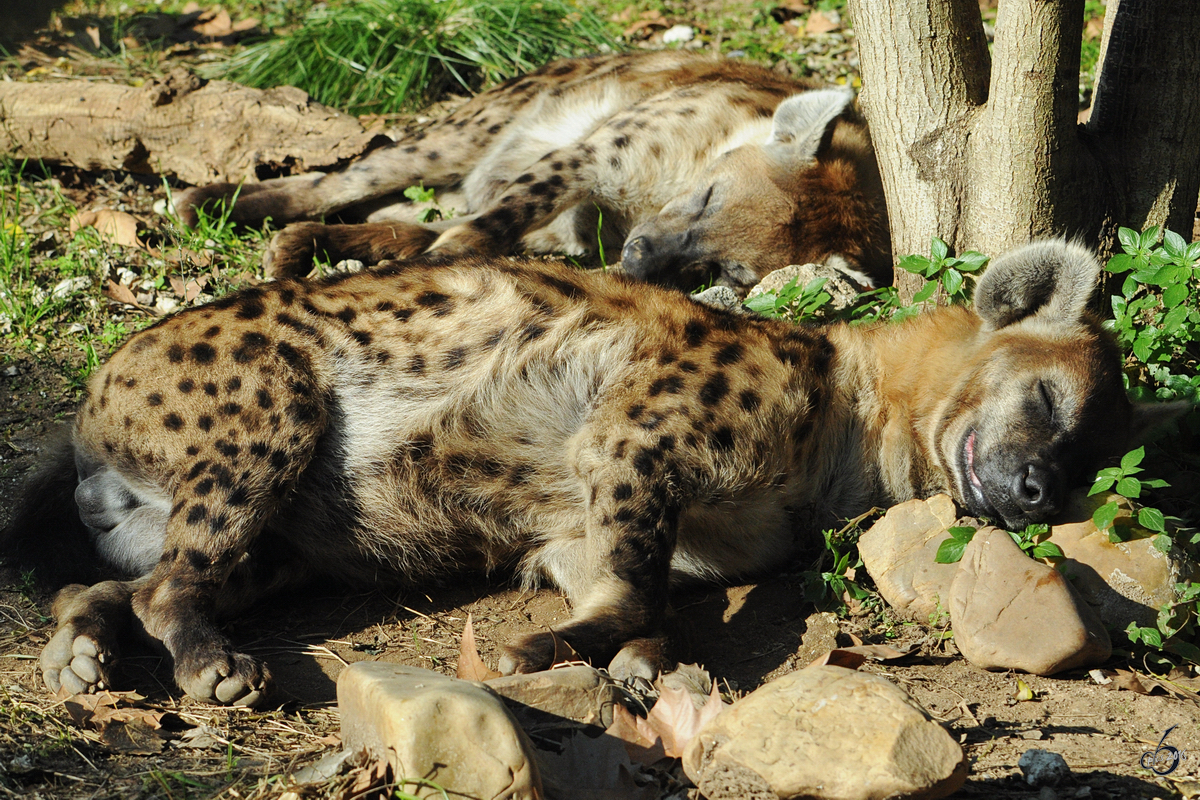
(702, 169)
(606, 436)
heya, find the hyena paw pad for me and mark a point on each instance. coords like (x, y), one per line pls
(77, 662)
(232, 679)
(531, 653)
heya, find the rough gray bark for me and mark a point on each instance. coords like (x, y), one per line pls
(989, 155)
(200, 132)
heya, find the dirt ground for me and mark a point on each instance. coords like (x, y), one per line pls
(743, 635)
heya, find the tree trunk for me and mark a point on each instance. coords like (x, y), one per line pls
(990, 155)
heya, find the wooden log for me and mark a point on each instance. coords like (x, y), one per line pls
(198, 131)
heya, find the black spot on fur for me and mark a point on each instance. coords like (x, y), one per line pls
(688, 366)
(197, 470)
(154, 399)
(218, 524)
(210, 389)
(174, 355)
(287, 320)
(362, 337)
(670, 384)
(293, 357)
(173, 422)
(229, 409)
(416, 364)
(749, 400)
(532, 331)
(714, 389)
(729, 354)
(227, 449)
(694, 332)
(204, 487)
(251, 307)
(192, 450)
(439, 303)
(187, 385)
(644, 461)
(233, 384)
(621, 142)
(197, 514)
(454, 358)
(635, 411)
(721, 439)
(347, 315)
(196, 560)
(204, 353)
(263, 398)
(280, 460)
(238, 497)
(205, 422)
(622, 491)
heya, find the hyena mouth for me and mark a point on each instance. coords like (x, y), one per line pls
(973, 490)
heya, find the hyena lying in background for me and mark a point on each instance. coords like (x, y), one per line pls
(703, 169)
(607, 436)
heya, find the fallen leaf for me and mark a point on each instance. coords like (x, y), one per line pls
(121, 294)
(818, 22)
(189, 290)
(676, 720)
(1178, 684)
(641, 743)
(470, 665)
(214, 21)
(114, 227)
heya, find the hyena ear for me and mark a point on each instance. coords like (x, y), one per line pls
(1052, 279)
(1146, 418)
(800, 122)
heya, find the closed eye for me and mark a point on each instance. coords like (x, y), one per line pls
(1047, 399)
(704, 202)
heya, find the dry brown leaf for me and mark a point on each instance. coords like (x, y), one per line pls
(1178, 684)
(839, 657)
(470, 665)
(819, 23)
(630, 730)
(189, 290)
(121, 294)
(675, 720)
(213, 21)
(114, 227)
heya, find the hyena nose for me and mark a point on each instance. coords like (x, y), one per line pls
(1035, 490)
(637, 257)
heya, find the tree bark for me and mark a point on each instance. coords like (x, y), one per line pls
(988, 156)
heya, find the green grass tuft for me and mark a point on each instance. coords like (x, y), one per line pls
(385, 56)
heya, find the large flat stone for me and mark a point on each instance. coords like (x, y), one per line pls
(825, 732)
(453, 732)
(580, 693)
(898, 552)
(1011, 612)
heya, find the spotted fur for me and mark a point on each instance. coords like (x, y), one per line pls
(607, 437)
(703, 170)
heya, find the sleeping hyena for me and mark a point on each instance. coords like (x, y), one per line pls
(608, 437)
(703, 169)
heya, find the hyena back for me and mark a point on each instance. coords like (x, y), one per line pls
(702, 169)
(608, 437)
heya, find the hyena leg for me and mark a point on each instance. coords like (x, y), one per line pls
(292, 250)
(560, 180)
(631, 531)
(81, 655)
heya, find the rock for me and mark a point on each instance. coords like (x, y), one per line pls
(579, 693)
(69, 286)
(1011, 612)
(898, 552)
(1124, 581)
(825, 732)
(456, 733)
(720, 297)
(1043, 768)
(819, 637)
(678, 33)
(842, 287)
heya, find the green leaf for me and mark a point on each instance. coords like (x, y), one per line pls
(925, 293)
(1151, 637)
(1184, 649)
(938, 249)
(914, 263)
(1192, 254)
(1175, 294)
(1174, 244)
(961, 533)
(1047, 550)
(952, 279)
(762, 303)
(1174, 318)
(1128, 238)
(1157, 483)
(1103, 516)
(1119, 263)
(1152, 519)
(1167, 275)
(1132, 459)
(1162, 543)
(950, 551)
(1148, 238)
(1129, 487)
(1101, 485)
(972, 261)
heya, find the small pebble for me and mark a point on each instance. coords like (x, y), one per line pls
(1043, 768)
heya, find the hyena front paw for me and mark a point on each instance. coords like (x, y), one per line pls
(232, 679)
(641, 658)
(76, 661)
(291, 251)
(534, 652)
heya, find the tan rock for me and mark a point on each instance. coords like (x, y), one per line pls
(1011, 612)
(453, 732)
(819, 637)
(825, 732)
(898, 552)
(843, 289)
(1124, 581)
(580, 693)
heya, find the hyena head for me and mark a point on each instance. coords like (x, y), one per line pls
(810, 193)
(1041, 402)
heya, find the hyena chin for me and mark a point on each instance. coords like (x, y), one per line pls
(704, 170)
(603, 435)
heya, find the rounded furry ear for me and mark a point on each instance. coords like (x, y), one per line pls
(800, 122)
(1052, 280)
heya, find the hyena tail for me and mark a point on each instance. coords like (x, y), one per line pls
(45, 533)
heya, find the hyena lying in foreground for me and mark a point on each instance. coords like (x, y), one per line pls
(606, 436)
(703, 170)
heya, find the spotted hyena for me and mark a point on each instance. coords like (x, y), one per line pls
(605, 436)
(703, 169)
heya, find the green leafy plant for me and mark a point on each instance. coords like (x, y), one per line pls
(419, 194)
(951, 550)
(944, 271)
(1033, 541)
(827, 587)
(1175, 627)
(386, 56)
(793, 301)
(1124, 481)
